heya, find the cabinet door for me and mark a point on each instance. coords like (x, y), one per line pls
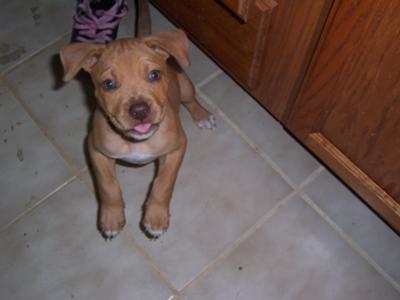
(348, 110)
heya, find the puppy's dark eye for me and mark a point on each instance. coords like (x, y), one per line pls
(109, 85)
(154, 75)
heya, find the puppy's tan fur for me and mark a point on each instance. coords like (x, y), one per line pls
(128, 63)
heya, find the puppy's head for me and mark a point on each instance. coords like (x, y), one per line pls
(130, 78)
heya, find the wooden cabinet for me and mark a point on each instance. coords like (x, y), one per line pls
(329, 70)
(348, 111)
(267, 51)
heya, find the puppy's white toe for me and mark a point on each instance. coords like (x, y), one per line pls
(155, 233)
(110, 234)
(213, 120)
(209, 123)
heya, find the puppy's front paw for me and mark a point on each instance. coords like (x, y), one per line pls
(209, 123)
(156, 220)
(111, 221)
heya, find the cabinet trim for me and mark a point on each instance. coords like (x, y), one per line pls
(362, 184)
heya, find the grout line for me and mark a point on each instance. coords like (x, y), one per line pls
(310, 178)
(34, 53)
(129, 236)
(81, 171)
(41, 127)
(87, 184)
(209, 78)
(349, 240)
(38, 203)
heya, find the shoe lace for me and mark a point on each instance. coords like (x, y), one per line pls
(97, 26)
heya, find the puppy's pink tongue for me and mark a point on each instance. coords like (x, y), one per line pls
(142, 128)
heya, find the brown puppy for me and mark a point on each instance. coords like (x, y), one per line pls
(139, 87)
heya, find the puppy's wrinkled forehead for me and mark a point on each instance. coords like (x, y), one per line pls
(128, 57)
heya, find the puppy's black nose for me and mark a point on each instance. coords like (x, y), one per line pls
(139, 111)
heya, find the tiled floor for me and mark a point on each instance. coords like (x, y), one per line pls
(254, 216)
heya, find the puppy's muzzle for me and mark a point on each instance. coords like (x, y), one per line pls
(141, 113)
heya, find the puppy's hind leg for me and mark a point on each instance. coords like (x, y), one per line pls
(200, 115)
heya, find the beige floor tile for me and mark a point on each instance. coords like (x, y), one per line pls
(295, 255)
(57, 253)
(358, 221)
(62, 109)
(26, 26)
(30, 166)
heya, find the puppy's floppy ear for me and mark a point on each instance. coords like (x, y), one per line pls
(79, 56)
(173, 43)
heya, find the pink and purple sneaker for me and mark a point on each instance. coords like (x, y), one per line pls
(97, 21)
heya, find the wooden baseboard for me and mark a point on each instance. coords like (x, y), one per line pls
(360, 182)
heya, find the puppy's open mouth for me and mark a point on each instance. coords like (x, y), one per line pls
(142, 128)
(142, 131)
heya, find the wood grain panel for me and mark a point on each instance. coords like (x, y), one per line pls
(295, 28)
(351, 97)
(365, 120)
(237, 46)
(356, 85)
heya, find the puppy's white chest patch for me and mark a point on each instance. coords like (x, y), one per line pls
(138, 158)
